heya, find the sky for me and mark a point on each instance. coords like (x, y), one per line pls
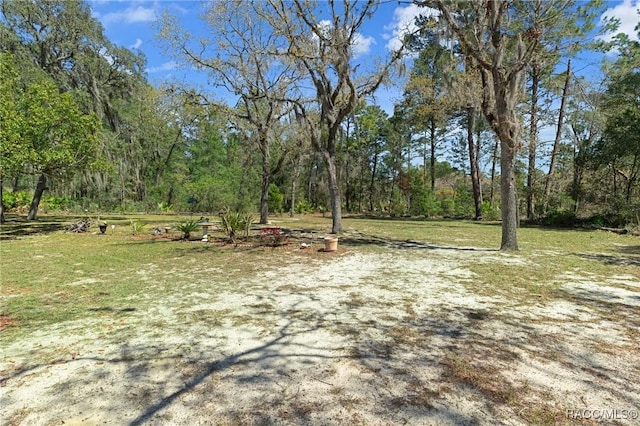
(133, 24)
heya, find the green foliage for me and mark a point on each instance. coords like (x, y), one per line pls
(424, 203)
(187, 227)
(303, 207)
(275, 199)
(137, 227)
(57, 203)
(164, 207)
(58, 136)
(490, 212)
(16, 200)
(12, 152)
(560, 217)
(233, 222)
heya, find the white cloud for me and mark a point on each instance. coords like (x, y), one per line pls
(362, 45)
(627, 13)
(167, 66)
(130, 15)
(137, 44)
(403, 23)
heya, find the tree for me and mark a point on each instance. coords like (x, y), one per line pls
(428, 98)
(323, 50)
(13, 153)
(61, 138)
(239, 57)
(66, 42)
(556, 141)
(371, 131)
(61, 39)
(503, 37)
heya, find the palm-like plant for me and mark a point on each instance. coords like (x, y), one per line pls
(187, 228)
(231, 223)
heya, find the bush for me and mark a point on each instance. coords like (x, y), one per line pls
(273, 237)
(233, 222)
(187, 228)
(489, 212)
(164, 207)
(55, 203)
(137, 227)
(560, 217)
(303, 207)
(16, 200)
(425, 203)
(275, 199)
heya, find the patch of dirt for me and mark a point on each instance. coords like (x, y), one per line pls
(5, 321)
(381, 338)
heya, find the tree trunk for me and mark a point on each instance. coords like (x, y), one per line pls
(533, 143)
(294, 181)
(2, 218)
(266, 174)
(334, 192)
(504, 122)
(373, 181)
(37, 196)
(473, 160)
(433, 154)
(424, 159)
(556, 142)
(494, 159)
(509, 197)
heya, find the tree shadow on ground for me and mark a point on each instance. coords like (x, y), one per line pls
(16, 227)
(609, 259)
(404, 369)
(360, 239)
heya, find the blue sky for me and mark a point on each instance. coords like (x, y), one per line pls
(132, 24)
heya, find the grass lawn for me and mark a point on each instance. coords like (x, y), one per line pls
(414, 322)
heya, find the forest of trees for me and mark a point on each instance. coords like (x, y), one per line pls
(81, 127)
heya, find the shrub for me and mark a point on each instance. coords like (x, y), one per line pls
(231, 223)
(53, 202)
(303, 207)
(275, 199)
(273, 236)
(164, 207)
(137, 227)
(187, 228)
(559, 217)
(16, 200)
(490, 212)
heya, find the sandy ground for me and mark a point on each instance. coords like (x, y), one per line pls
(388, 338)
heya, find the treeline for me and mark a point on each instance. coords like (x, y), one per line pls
(81, 128)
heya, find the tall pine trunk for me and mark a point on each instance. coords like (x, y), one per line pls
(509, 197)
(473, 160)
(556, 142)
(37, 196)
(533, 142)
(432, 140)
(373, 181)
(504, 122)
